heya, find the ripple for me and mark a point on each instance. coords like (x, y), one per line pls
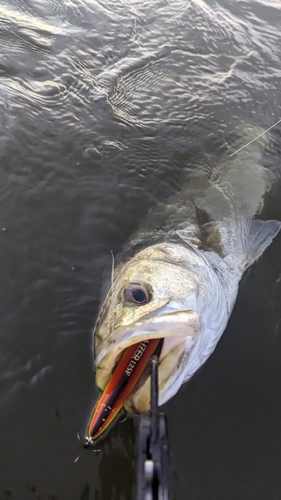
(22, 20)
(36, 39)
(126, 80)
(48, 93)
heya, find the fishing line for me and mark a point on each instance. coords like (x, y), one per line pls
(253, 140)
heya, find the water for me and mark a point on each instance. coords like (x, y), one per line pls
(106, 107)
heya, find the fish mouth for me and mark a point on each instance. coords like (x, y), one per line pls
(179, 332)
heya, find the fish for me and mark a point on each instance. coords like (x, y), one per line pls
(177, 277)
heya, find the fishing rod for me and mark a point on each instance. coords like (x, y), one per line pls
(153, 450)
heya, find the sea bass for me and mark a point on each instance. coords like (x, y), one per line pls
(179, 274)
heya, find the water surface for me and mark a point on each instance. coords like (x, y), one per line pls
(106, 108)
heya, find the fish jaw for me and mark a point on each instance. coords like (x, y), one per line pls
(179, 331)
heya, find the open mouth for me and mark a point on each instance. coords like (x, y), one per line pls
(123, 373)
(173, 327)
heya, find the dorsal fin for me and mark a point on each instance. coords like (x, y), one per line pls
(210, 235)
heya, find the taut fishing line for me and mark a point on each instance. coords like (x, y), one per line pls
(258, 136)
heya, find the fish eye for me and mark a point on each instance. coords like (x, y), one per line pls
(136, 294)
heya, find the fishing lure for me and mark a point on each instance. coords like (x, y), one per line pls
(124, 378)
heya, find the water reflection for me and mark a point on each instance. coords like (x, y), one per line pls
(116, 468)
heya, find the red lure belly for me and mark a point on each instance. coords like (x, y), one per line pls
(127, 373)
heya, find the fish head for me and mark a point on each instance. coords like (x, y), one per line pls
(155, 295)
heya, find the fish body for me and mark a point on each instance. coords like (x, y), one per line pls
(179, 274)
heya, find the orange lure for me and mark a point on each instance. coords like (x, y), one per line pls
(127, 373)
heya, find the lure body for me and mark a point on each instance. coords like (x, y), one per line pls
(127, 373)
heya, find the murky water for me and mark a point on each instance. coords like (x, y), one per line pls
(106, 106)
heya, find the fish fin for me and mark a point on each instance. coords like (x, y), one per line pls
(261, 234)
(209, 234)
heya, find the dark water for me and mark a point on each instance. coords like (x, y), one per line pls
(106, 106)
